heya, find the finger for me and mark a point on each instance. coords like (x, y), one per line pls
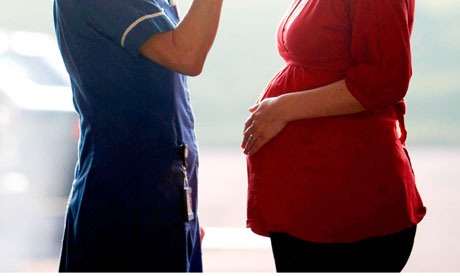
(254, 108)
(247, 136)
(257, 145)
(248, 123)
(250, 144)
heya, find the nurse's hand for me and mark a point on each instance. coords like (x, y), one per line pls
(265, 122)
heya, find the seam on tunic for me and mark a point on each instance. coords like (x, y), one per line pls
(135, 23)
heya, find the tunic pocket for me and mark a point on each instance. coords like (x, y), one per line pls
(159, 191)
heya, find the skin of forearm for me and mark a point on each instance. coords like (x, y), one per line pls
(195, 35)
(327, 101)
(185, 48)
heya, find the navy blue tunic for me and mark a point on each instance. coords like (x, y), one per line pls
(126, 208)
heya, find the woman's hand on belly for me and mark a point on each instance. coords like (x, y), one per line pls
(270, 116)
(264, 123)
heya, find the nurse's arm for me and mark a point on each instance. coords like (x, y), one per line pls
(185, 49)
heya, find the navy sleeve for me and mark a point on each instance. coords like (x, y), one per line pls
(129, 23)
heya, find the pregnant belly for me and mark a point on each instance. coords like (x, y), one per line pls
(320, 134)
(295, 78)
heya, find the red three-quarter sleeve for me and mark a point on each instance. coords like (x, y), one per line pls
(380, 49)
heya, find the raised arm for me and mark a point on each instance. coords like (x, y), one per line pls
(185, 48)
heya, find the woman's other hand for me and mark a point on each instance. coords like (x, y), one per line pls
(265, 122)
(202, 233)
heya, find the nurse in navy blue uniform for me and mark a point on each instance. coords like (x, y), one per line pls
(128, 61)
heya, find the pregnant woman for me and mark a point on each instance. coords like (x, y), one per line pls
(330, 180)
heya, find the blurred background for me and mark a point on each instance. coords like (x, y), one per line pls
(39, 134)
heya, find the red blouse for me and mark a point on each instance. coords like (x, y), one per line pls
(344, 178)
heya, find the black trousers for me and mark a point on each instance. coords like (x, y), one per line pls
(380, 254)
